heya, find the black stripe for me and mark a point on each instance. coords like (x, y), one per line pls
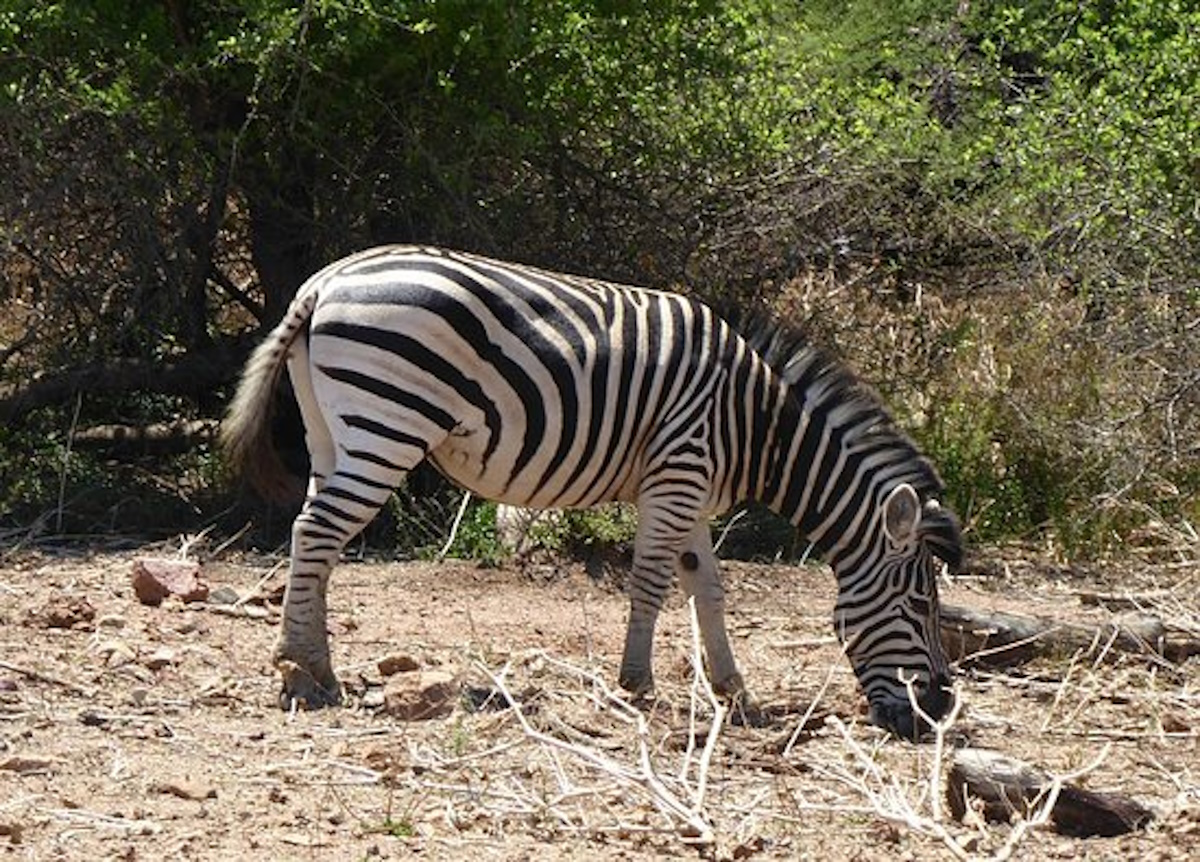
(742, 405)
(384, 431)
(336, 511)
(311, 517)
(371, 457)
(350, 496)
(420, 356)
(603, 352)
(394, 394)
(360, 479)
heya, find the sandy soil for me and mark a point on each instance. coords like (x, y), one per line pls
(134, 732)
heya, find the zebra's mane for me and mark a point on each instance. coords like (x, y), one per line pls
(813, 373)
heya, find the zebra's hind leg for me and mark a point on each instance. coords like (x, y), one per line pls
(343, 503)
(700, 578)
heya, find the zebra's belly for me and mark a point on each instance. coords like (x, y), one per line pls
(461, 458)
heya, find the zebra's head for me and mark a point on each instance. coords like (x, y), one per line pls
(887, 610)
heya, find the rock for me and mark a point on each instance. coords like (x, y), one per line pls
(155, 579)
(224, 595)
(185, 789)
(12, 831)
(115, 652)
(66, 613)
(390, 665)
(160, 658)
(28, 764)
(373, 699)
(420, 695)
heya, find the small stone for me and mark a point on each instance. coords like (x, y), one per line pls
(27, 764)
(7, 684)
(420, 695)
(390, 665)
(185, 789)
(111, 621)
(66, 613)
(161, 658)
(189, 625)
(224, 595)
(115, 652)
(155, 579)
(11, 831)
(373, 699)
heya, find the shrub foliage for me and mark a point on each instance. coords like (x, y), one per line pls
(988, 207)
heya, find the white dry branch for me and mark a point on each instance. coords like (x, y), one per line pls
(889, 797)
(679, 799)
(462, 510)
(920, 809)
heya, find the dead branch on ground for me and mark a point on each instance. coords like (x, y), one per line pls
(1005, 786)
(999, 639)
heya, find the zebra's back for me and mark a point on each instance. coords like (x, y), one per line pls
(528, 387)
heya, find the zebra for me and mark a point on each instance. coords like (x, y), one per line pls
(546, 390)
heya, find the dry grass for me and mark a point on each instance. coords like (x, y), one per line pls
(102, 757)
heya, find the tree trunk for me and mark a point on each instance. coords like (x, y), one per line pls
(192, 374)
(281, 233)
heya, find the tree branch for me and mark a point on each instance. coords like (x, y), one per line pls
(190, 374)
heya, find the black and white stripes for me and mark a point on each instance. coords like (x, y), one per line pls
(548, 391)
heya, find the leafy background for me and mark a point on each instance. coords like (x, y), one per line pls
(990, 209)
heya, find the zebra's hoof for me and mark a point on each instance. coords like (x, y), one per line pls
(637, 683)
(302, 690)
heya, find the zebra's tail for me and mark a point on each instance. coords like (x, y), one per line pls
(246, 430)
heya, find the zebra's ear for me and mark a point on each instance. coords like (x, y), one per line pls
(943, 534)
(901, 514)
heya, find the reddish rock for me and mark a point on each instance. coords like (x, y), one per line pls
(66, 613)
(390, 665)
(154, 580)
(420, 695)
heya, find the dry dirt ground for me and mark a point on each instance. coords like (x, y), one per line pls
(136, 732)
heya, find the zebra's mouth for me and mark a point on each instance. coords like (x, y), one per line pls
(899, 717)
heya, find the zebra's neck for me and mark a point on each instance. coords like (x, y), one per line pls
(830, 457)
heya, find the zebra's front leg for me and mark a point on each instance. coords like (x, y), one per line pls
(649, 580)
(700, 577)
(637, 674)
(302, 650)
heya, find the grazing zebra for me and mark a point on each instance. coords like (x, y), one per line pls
(556, 391)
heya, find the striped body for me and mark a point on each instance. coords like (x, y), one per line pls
(553, 391)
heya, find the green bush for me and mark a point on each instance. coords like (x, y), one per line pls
(172, 178)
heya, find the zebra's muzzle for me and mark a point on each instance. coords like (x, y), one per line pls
(899, 717)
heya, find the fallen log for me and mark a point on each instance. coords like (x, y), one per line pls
(1000, 787)
(1001, 639)
(160, 438)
